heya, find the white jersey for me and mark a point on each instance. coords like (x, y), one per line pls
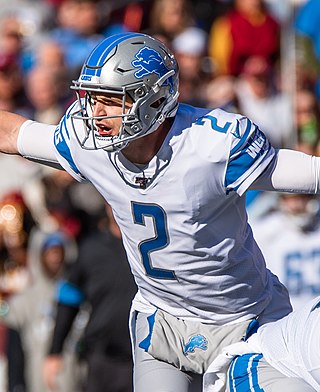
(189, 246)
(292, 254)
(291, 345)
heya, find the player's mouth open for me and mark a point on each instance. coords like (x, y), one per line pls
(104, 131)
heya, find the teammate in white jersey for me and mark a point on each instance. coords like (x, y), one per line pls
(175, 177)
(289, 239)
(290, 345)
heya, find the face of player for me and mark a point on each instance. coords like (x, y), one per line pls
(112, 106)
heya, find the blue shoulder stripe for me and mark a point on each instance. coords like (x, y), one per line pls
(62, 146)
(69, 294)
(239, 166)
(244, 137)
(246, 158)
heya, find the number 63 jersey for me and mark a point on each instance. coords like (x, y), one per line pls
(183, 217)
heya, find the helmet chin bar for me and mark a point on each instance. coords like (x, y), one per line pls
(142, 119)
(91, 139)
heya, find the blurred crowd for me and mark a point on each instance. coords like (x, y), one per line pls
(258, 58)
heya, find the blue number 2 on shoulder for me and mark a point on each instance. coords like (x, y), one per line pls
(214, 123)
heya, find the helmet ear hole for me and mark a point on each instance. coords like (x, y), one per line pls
(157, 103)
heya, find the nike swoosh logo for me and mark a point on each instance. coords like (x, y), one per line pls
(236, 132)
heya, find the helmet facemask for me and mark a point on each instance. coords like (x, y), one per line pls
(92, 139)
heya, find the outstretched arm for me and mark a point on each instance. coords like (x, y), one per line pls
(10, 124)
(291, 171)
(32, 140)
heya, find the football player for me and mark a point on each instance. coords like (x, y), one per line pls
(176, 177)
(290, 345)
(289, 240)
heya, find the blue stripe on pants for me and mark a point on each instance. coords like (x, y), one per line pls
(243, 373)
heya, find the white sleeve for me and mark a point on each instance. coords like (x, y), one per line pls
(36, 142)
(291, 171)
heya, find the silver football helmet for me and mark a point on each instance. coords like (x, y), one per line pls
(128, 65)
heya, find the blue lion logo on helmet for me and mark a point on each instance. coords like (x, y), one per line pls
(149, 61)
(196, 341)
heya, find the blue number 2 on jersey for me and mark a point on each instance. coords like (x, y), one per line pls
(159, 241)
(214, 123)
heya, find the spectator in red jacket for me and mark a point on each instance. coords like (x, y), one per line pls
(248, 29)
